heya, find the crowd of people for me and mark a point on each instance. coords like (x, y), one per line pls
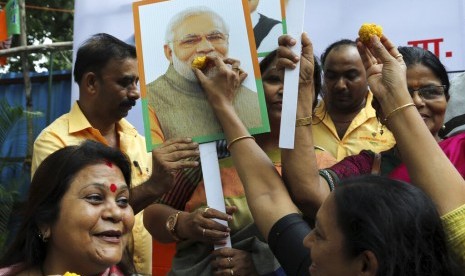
(370, 188)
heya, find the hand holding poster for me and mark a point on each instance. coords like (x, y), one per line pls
(174, 102)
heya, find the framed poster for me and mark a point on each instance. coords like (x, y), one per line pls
(169, 36)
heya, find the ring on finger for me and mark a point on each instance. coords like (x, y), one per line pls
(203, 232)
(399, 56)
(205, 211)
(231, 271)
(229, 260)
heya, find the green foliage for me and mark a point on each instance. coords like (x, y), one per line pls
(9, 117)
(42, 24)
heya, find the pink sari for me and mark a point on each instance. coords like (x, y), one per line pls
(453, 147)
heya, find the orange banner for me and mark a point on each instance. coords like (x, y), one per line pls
(3, 27)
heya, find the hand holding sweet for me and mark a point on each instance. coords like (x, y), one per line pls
(222, 80)
(386, 73)
(231, 261)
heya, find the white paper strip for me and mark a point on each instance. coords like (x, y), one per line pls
(295, 22)
(212, 181)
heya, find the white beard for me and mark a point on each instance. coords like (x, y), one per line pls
(183, 69)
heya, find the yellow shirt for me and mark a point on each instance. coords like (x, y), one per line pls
(454, 226)
(363, 132)
(72, 129)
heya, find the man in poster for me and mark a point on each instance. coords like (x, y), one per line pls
(177, 104)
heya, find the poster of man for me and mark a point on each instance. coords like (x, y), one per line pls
(169, 36)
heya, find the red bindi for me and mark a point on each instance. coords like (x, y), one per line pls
(112, 187)
(109, 164)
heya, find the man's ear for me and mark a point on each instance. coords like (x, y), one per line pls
(168, 52)
(368, 263)
(89, 82)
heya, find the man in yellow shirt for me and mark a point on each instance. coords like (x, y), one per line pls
(344, 122)
(107, 75)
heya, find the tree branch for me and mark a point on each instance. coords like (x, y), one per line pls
(57, 46)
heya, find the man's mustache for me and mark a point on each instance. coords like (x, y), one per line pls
(128, 102)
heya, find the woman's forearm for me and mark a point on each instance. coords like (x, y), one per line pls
(266, 194)
(428, 166)
(300, 170)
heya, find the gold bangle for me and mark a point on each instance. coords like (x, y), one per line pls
(397, 109)
(239, 138)
(305, 121)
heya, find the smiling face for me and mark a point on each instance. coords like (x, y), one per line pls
(117, 88)
(345, 83)
(326, 244)
(94, 222)
(432, 111)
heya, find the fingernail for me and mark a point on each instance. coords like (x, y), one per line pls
(230, 217)
(296, 58)
(293, 41)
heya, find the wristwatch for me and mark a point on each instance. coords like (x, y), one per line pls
(171, 225)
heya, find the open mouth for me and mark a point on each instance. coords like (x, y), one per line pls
(110, 236)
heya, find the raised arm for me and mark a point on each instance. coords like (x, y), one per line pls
(300, 170)
(428, 166)
(267, 196)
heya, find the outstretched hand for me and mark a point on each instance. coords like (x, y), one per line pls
(221, 81)
(386, 73)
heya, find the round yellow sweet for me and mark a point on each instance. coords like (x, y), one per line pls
(70, 274)
(199, 62)
(369, 29)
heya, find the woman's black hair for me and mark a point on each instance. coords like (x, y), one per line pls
(396, 221)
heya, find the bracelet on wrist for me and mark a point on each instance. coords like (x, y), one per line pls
(305, 121)
(396, 110)
(238, 139)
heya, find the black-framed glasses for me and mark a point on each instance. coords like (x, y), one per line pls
(215, 38)
(430, 92)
